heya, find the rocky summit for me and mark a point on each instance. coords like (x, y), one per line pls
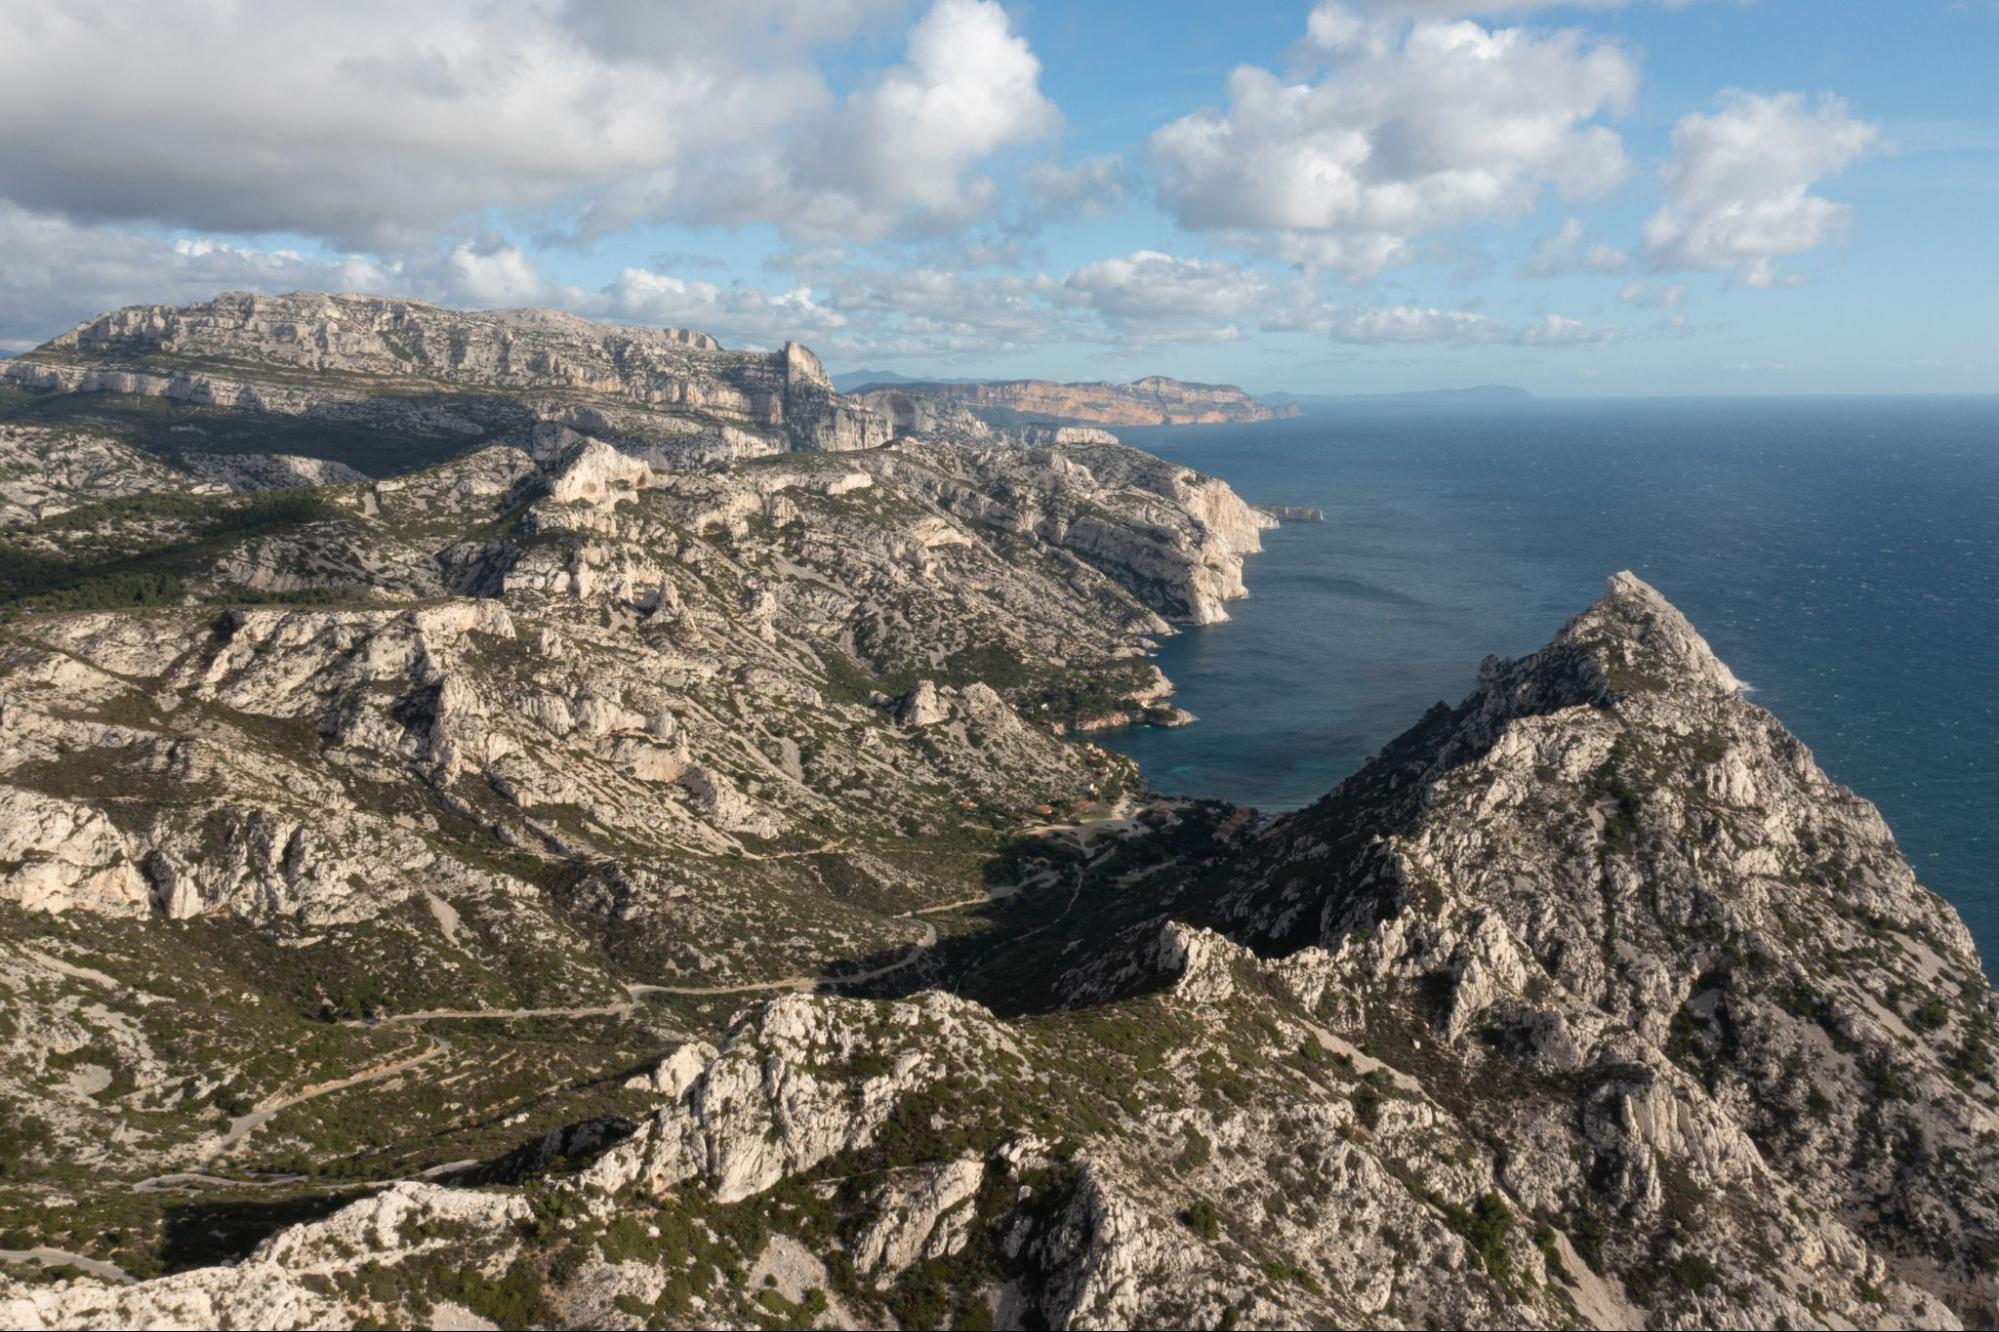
(507, 821)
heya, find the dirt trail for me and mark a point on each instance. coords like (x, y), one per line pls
(751, 987)
(47, 1257)
(243, 1126)
(182, 1180)
(916, 950)
(942, 907)
(448, 1014)
(831, 844)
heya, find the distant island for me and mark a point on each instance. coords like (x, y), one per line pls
(848, 381)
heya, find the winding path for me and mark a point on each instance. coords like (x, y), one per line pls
(243, 1126)
(47, 1257)
(447, 1014)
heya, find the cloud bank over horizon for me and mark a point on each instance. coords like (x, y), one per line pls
(935, 184)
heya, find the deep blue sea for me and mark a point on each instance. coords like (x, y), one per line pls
(1841, 555)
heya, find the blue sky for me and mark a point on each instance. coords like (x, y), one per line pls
(1616, 197)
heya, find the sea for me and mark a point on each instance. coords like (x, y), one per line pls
(1840, 554)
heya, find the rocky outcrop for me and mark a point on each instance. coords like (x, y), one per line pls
(45, 472)
(801, 1081)
(209, 1297)
(249, 472)
(921, 706)
(1606, 865)
(422, 370)
(1589, 1002)
(1176, 538)
(670, 840)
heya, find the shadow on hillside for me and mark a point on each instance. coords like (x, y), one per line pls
(202, 1234)
(1070, 904)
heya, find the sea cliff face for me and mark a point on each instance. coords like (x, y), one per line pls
(573, 884)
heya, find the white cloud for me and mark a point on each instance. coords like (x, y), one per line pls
(1356, 256)
(1148, 287)
(55, 273)
(1411, 323)
(375, 123)
(380, 125)
(898, 157)
(1410, 129)
(490, 272)
(737, 314)
(1096, 186)
(1563, 251)
(1653, 296)
(1738, 187)
(1553, 330)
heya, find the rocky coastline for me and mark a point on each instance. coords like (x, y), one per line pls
(643, 865)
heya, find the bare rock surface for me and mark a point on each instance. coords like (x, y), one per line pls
(642, 870)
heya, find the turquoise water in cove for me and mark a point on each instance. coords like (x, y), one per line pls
(1842, 556)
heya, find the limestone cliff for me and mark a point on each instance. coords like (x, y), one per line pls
(580, 883)
(424, 371)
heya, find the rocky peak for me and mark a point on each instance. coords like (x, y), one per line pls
(1632, 641)
(1606, 859)
(801, 367)
(1641, 640)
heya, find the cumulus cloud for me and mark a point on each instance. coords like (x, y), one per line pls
(1150, 290)
(490, 272)
(1369, 325)
(739, 314)
(1738, 187)
(54, 272)
(1404, 130)
(377, 125)
(940, 311)
(1553, 330)
(897, 157)
(374, 123)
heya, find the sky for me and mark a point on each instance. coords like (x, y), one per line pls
(1353, 196)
